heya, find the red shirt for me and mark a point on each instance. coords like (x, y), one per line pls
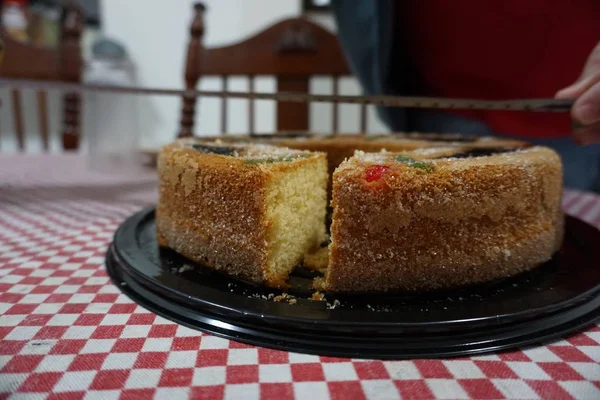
(500, 50)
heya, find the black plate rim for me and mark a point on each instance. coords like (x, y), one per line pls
(245, 307)
(320, 346)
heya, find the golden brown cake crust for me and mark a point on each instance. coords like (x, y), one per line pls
(191, 193)
(206, 214)
(465, 221)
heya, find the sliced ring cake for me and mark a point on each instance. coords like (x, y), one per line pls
(248, 210)
(442, 217)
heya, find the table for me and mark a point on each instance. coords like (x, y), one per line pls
(67, 332)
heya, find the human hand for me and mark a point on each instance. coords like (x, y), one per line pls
(586, 110)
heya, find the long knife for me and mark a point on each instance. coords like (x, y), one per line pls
(546, 105)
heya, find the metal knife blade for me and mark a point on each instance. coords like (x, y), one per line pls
(546, 105)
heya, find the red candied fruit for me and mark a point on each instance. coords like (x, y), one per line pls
(375, 172)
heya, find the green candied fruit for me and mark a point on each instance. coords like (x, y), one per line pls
(427, 167)
(411, 162)
(405, 159)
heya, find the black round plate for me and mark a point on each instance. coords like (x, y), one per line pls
(557, 298)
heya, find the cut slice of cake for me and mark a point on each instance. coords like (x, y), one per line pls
(248, 210)
(442, 218)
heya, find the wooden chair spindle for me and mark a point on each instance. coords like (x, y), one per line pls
(292, 116)
(224, 103)
(193, 69)
(335, 105)
(363, 119)
(18, 118)
(251, 126)
(43, 118)
(70, 70)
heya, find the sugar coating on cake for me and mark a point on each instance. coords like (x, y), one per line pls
(441, 218)
(248, 210)
(411, 212)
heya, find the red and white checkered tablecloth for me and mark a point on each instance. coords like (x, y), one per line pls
(66, 332)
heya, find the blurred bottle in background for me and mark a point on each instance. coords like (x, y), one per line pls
(44, 23)
(14, 19)
(111, 120)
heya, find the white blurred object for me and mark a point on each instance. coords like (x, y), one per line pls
(111, 120)
(14, 19)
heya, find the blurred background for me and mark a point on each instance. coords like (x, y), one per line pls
(152, 36)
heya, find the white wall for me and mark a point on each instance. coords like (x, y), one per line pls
(155, 33)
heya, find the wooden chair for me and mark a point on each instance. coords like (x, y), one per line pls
(64, 63)
(292, 50)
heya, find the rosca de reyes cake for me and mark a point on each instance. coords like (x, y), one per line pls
(248, 210)
(442, 217)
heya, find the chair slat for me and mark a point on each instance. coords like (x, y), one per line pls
(363, 119)
(43, 118)
(192, 71)
(70, 136)
(224, 107)
(71, 67)
(18, 118)
(335, 105)
(292, 117)
(251, 126)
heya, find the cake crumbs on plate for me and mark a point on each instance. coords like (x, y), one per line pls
(182, 269)
(334, 305)
(318, 296)
(185, 267)
(281, 297)
(284, 297)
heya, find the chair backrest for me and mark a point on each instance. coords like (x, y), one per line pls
(292, 50)
(23, 60)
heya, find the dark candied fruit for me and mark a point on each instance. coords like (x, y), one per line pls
(404, 159)
(482, 152)
(221, 150)
(375, 172)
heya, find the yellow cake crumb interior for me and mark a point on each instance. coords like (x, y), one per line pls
(296, 204)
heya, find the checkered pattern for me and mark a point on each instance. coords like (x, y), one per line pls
(67, 332)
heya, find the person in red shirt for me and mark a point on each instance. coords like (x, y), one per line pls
(509, 49)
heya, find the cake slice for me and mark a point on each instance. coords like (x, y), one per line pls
(248, 210)
(442, 218)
